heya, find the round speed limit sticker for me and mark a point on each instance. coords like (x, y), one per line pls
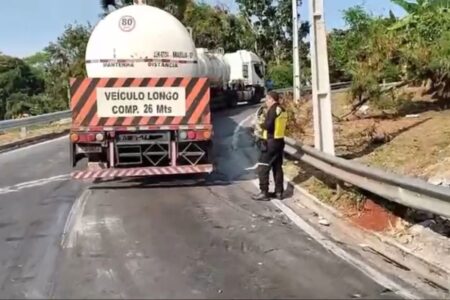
(127, 23)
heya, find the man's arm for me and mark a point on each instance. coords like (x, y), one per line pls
(269, 123)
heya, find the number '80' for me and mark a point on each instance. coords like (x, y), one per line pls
(127, 22)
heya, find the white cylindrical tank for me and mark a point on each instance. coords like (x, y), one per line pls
(140, 41)
(213, 66)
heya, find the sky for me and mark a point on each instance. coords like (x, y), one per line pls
(27, 26)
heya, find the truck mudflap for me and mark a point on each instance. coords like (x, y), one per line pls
(112, 173)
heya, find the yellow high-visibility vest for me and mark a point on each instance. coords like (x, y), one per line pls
(280, 125)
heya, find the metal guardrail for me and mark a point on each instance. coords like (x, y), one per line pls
(334, 86)
(35, 120)
(408, 191)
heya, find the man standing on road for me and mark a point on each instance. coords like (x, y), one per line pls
(272, 148)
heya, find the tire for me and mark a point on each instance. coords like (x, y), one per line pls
(232, 99)
(259, 94)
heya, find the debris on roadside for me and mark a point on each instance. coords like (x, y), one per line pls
(364, 109)
(356, 296)
(412, 116)
(439, 180)
(324, 222)
(427, 236)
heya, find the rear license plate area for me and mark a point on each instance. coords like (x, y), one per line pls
(89, 149)
(142, 138)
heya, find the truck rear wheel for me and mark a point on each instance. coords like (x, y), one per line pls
(259, 94)
(232, 99)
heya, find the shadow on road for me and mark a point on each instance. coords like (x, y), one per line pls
(160, 182)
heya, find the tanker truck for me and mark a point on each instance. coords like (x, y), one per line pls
(144, 107)
(234, 77)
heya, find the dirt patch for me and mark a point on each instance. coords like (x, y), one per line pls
(373, 216)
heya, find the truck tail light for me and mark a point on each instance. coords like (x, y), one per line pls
(192, 135)
(90, 137)
(195, 135)
(183, 135)
(207, 134)
(99, 137)
(84, 137)
(74, 137)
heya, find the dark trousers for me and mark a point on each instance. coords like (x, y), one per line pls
(271, 159)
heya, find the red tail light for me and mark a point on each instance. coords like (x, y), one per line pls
(82, 137)
(192, 135)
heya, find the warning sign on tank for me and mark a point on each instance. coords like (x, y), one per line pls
(141, 101)
(127, 23)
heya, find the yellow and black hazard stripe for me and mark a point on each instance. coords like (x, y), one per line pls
(84, 108)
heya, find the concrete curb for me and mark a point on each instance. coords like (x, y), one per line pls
(391, 249)
(32, 140)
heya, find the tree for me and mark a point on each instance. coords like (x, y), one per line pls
(282, 75)
(16, 77)
(338, 55)
(176, 7)
(421, 5)
(424, 36)
(215, 27)
(66, 59)
(271, 22)
(37, 63)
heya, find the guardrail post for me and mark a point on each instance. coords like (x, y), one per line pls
(23, 132)
(323, 121)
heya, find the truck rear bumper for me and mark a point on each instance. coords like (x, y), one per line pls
(141, 172)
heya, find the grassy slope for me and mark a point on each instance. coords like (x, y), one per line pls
(417, 145)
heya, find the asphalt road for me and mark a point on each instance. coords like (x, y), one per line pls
(158, 238)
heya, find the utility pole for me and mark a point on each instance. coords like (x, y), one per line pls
(295, 51)
(323, 121)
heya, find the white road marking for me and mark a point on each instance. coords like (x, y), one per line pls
(10, 152)
(328, 244)
(254, 167)
(74, 221)
(237, 130)
(33, 183)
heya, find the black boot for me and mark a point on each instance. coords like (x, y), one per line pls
(262, 196)
(279, 196)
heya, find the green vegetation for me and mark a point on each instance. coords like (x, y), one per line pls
(372, 49)
(413, 50)
(38, 84)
